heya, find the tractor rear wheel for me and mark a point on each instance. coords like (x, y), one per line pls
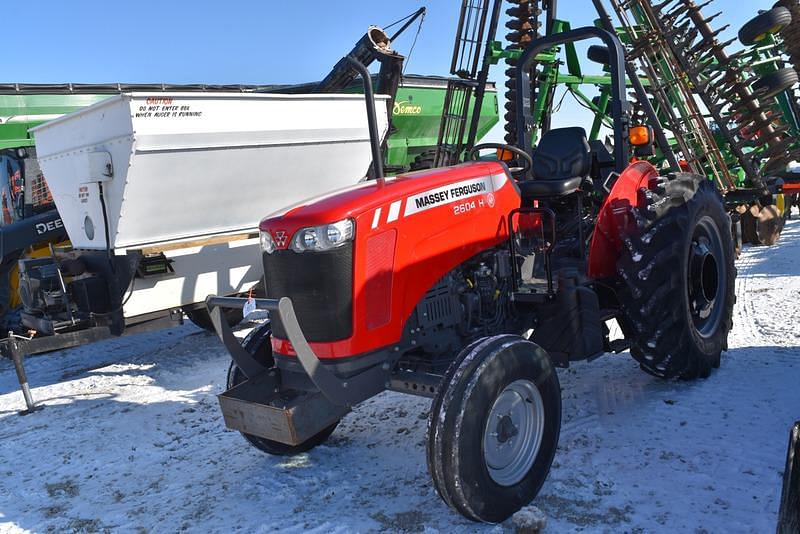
(259, 344)
(494, 427)
(677, 279)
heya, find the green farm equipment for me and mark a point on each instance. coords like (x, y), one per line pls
(732, 117)
(416, 117)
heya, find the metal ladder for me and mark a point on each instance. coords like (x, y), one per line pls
(466, 64)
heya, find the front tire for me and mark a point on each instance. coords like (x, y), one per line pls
(259, 344)
(494, 427)
(677, 279)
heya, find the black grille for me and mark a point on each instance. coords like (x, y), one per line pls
(320, 285)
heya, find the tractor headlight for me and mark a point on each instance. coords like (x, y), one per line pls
(267, 244)
(325, 237)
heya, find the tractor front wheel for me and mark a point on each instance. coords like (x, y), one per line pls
(677, 279)
(494, 427)
(259, 344)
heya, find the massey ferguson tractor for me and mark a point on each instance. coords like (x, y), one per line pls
(472, 284)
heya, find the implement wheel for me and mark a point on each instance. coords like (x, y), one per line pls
(776, 82)
(425, 160)
(677, 279)
(233, 316)
(767, 23)
(763, 225)
(259, 344)
(494, 427)
(750, 224)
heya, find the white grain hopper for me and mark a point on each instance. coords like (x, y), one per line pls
(191, 175)
(188, 166)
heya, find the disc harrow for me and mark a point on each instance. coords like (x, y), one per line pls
(660, 37)
(525, 25)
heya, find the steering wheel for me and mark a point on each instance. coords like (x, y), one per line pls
(526, 159)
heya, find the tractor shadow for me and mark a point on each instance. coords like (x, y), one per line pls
(709, 447)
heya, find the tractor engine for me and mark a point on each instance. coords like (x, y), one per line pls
(469, 302)
(483, 293)
(411, 265)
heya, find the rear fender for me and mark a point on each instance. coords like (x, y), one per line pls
(616, 220)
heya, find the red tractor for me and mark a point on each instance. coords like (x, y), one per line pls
(471, 284)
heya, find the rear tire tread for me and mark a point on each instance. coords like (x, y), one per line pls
(652, 297)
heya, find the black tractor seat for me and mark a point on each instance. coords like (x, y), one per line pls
(561, 162)
(533, 189)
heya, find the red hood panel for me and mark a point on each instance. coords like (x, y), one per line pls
(357, 199)
(409, 232)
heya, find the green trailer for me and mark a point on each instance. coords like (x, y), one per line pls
(20, 112)
(417, 117)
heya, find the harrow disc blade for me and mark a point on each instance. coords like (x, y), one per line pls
(769, 225)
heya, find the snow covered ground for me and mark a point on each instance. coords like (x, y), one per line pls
(131, 439)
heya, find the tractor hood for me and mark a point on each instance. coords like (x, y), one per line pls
(408, 232)
(392, 198)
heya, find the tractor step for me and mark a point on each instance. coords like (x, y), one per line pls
(261, 408)
(618, 345)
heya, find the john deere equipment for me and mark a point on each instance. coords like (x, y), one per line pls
(730, 116)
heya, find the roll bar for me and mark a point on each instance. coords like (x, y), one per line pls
(524, 117)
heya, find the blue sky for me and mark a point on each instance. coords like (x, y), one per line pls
(236, 41)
